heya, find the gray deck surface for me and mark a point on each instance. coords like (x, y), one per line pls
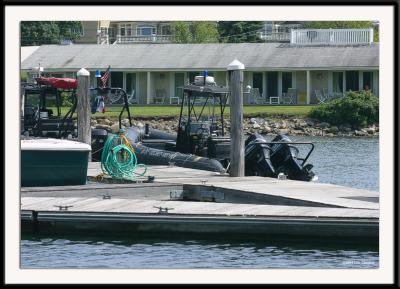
(320, 200)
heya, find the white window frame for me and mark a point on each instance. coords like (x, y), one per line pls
(139, 30)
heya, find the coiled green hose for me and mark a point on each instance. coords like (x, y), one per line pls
(118, 158)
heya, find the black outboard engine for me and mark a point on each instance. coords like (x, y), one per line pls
(257, 157)
(99, 138)
(284, 158)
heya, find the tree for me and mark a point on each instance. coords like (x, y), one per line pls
(48, 32)
(181, 32)
(196, 32)
(342, 25)
(204, 32)
(240, 31)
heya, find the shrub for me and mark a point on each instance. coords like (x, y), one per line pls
(356, 108)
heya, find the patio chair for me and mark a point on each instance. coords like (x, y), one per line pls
(337, 94)
(326, 94)
(160, 96)
(256, 96)
(289, 96)
(320, 96)
(132, 97)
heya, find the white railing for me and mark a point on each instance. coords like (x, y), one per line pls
(275, 36)
(144, 39)
(331, 36)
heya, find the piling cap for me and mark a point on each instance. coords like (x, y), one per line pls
(235, 65)
(83, 72)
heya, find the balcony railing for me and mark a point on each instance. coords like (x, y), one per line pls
(275, 36)
(143, 39)
(331, 36)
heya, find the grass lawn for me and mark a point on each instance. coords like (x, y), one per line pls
(173, 111)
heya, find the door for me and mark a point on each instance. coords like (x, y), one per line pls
(272, 83)
(258, 81)
(130, 83)
(179, 83)
(286, 81)
(352, 81)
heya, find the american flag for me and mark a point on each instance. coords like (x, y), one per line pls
(104, 78)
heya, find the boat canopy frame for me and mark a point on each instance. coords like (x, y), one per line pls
(56, 86)
(191, 93)
(111, 96)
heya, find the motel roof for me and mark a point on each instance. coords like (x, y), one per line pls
(255, 56)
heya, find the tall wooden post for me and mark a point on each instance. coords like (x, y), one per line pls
(83, 107)
(235, 70)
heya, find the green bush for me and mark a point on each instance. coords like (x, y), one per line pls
(66, 98)
(356, 108)
(24, 76)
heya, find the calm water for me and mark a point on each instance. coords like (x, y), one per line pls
(350, 162)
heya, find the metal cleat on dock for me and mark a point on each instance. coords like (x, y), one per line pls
(162, 210)
(63, 208)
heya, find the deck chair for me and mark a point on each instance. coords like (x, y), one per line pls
(320, 96)
(160, 96)
(256, 96)
(326, 94)
(132, 97)
(289, 96)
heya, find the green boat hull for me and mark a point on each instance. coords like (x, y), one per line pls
(53, 168)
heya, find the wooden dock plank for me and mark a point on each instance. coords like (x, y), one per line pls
(328, 194)
(191, 208)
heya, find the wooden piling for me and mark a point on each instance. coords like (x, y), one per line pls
(235, 70)
(83, 107)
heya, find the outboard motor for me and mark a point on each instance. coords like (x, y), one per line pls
(99, 138)
(284, 158)
(257, 157)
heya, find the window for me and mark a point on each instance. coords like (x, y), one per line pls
(258, 81)
(128, 29)
(111, 32)
(179, 82)
(192, 75)
(352, 81)
(124, 30)
(337, 79)
(117, 79)
(367, 81)
(145, 30)
(166, 30)
(130, 83)
(70, 74)
(286, 81)
(272, 83)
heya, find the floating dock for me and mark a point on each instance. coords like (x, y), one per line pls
(187, 201)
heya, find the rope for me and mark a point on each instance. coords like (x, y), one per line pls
(118, 158)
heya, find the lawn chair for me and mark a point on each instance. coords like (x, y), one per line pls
(132, 97)
(289, 96)
(326, 94)
(256, 96)
(160, 96)
(320, 96)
